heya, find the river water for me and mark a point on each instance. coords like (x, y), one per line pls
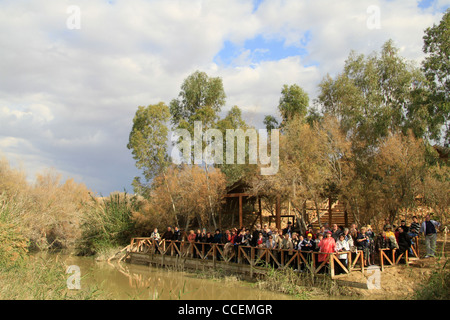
(130, 281)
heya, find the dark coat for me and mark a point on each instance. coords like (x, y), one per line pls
(404, 241)
(168, 235)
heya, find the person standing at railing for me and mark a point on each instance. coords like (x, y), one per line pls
(226, 237)
(271, 243)
(255, 235)
(279, 238)
(327, 245)
(191, 237)
(310, 230)
(413, 232)
(307, 246)
(155, 235)
(342, 245)
(260, 240)
(266, 232)
(335, 232)
(296, 241)
(176, 234)
(288, 230)
(404, 241)
(286, 244)
(217, 236)
(362, 243)
(198, 236)
(371, 245)
(168, 235)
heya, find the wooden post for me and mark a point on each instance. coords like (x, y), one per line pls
(260, 212)
(278, 212)
(330, 212)
(362, 262)
(240, 212)
(381, 260)
(331, 261)
(346, 217)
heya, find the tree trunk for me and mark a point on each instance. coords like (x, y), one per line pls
(317, 212)
(209, 197)
(171, 199)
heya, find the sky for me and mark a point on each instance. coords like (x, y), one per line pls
(72, 73)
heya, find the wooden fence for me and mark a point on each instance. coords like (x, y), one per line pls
(252, 256)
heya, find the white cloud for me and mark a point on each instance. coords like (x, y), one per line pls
(68, 97)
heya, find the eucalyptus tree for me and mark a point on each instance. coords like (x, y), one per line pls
(235, 171)
(373, 97)
(436, 67)
(294, 101)
(148, 142)
(201, 99)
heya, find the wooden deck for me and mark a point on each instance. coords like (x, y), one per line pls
(248, 260)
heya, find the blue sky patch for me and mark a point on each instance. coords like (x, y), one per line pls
(260, 49)
(256, 4)
(424, 4)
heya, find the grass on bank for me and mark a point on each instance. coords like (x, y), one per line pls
(437, 287)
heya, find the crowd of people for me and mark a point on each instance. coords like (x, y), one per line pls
(322, 240)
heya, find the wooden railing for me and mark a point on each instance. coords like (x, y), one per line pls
(390, 257)
(252, 256)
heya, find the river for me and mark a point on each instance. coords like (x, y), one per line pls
(130, 281)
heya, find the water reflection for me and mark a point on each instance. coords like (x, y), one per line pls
(127, 281)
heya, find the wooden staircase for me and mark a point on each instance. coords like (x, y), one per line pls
(337, 216)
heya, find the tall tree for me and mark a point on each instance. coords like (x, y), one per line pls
(294, 101)
(270, 122)
(234, 171)
(148, 143)
(372, 96)
(436, 67)
(201, 98)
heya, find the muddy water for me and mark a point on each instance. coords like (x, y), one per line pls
(128, 281)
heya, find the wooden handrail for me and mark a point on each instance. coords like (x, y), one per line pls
(281, 258)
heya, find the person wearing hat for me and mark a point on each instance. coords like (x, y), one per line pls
(288, 229)
(307, 244)
(255, 235)
(310, 230)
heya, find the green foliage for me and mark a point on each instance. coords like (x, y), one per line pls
(294, 101)
(234, 171)
(373, 95)
(148, 142)
(437, 287)
(200, 99)
(270, 122)
(108, 222)
(436, 67)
